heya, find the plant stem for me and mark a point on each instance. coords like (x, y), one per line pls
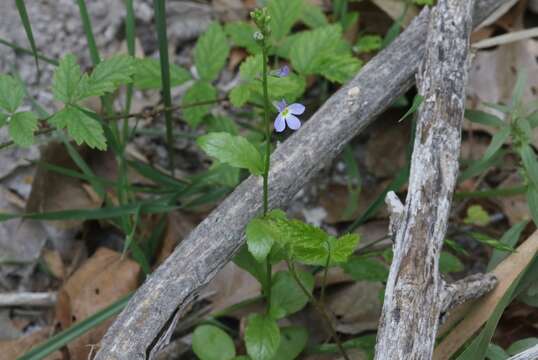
(267, 163)
(320, 308)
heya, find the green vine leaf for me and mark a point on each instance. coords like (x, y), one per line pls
(262, 337)
(147, 74)
(80, 126)
(211, 343)
(286, 295)
(201, 91)
(11, 93)
(211, 52)
(22, 127)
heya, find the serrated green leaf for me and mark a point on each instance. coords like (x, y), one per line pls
(339, 68)
(11, 93)
(310, 48)
(147, 74)
(211, 343)
(289, 88)
(65, 84)
(449, 263)
(251, 67)
(365, 269)
(242, 34)
(284, 14)
(240, 95)
(211, 52)
(287, 297)
(107, 76)
(80, 126)
(292, 342)
(343, 247)
(368, 43)
(236, 151)
(221, 124)
(201, 91)
(262, 337)
(313, 16)
(260, 238)
(481, 117)
(21, 128)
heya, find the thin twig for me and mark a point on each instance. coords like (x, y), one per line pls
(28, 299)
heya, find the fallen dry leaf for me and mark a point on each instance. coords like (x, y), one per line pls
(103, 279)
(53, 262)
(514, 207)
(475, 314)
(12, 349)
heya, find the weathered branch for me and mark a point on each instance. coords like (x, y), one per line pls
(414, 293)
(213, 243)
(469, 288)
(529, 354)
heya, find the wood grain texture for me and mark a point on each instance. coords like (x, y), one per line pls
(414, 293)
(213, 243)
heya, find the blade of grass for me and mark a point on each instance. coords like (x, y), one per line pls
(131, 49)
(23, 50)
(157, 176)
(63, 338)
(21, 8)
(160, 20)
(87, 25)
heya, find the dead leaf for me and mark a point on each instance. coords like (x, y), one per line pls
(474, 315)
(357, 307)
(54, 263)
(12, 349)
(103, 279)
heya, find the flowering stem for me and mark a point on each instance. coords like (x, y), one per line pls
(320, 308)
(267, 160)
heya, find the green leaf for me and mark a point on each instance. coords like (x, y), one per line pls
(340, 68)
(284, 14)
(495, 352)
(449, 263)
(368, 43)
(519, 88)
(292, 342)
(108, 75)
(236, 151)
(65, 84)
(80, 126)
(481, 117)
(476, 215)
(529, 162)
(313, 16)
(11, 93)
(417, 101)
(287, 297)
(247, 262)
(343, 247)
(251, 67)
(486, 240)
(366, 269)
(260, 238)
(242, 34)
(221, 124)
(311, 48)
(521, 345)
(532, 202)
(21, 128)
(201, 91)
(496, 142)
(211, 343)
(262, 337)
(211, 52)
(147, 74)
(240, 95)
(3, 119)
(510, 239)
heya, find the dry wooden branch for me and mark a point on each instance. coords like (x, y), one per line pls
(212, 244)
(529, 354)
(28, 299)
(414, 295)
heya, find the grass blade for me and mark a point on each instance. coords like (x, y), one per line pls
(21, 7)
(131, 49)
(23, 50)
(87, 25)
(160, 20)
(63, 338)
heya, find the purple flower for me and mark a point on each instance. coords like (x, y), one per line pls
(286, 115)
(283, 71)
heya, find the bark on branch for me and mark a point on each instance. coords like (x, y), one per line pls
(415, 294)
(172, 287)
